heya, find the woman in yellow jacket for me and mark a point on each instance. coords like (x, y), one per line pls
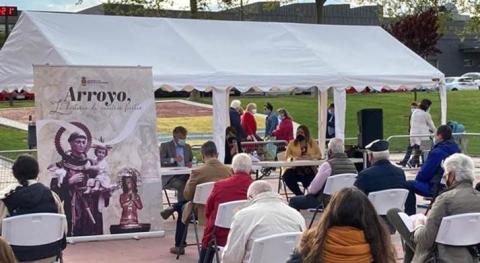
(302, 148)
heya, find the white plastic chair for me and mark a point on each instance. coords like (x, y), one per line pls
(459, 230)
(337, 182)
(202, 192)
(387, 199)
(334, 184)
(224, 219)
(274, 248)
(34, 229)
(226, 211)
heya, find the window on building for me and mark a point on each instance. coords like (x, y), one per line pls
(468, 62)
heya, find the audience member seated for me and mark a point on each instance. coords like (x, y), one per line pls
(338, 163)
(29, 197)
(249, 123)
(230, 189)
(6, 252)
(232, 145)
(271, 121)
(382, 175)
(459, 198)
(235, 119)
(267, 215)
(302, 148)
(176, 153)
(427, 182)
(284, 130)
(213, 170)
(349, 231)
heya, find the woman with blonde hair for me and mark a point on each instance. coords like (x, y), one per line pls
(349, 231)
(6, 252)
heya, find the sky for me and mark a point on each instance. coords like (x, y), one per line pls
(70, 5)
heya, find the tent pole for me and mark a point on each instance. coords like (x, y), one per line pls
(220, 119)
(340, 102)
(443, 102)
(322, 119)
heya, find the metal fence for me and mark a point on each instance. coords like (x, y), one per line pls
(6, 161)
(469, 142)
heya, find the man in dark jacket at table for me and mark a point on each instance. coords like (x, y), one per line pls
(382, 175)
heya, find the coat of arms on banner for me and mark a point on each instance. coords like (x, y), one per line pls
(97, 148)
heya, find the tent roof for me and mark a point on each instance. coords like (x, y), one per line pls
(201, 54)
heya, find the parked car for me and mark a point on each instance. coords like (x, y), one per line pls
(460, 83)
(473, 75)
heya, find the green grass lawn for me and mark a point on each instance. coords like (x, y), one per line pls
(12, 139)
(462, 107)
(17, 104)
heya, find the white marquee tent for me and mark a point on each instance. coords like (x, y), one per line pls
(217, 55)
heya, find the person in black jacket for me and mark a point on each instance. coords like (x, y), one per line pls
(382, 175)
(29, 197)
(235, 121)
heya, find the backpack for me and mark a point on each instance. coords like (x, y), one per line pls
(456, 127)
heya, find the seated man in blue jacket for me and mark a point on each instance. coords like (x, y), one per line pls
(382, 175)
(427, 181)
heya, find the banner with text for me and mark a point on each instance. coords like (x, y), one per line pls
(97, 146)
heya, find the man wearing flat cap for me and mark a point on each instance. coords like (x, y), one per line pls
(382, 175)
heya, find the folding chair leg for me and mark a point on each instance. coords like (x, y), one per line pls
(195, 227)
(216, 254)
(314, 215)
(285, 190)
(168, 201)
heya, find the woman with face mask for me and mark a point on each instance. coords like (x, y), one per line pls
(284, 130)
(302, 148)
(249, 123)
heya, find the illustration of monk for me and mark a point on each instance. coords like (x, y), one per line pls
(69, 181)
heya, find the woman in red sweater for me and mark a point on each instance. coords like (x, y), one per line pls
(249, 123)
(285, 129)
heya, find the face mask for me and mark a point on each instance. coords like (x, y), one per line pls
(181, 142)
(254, 111)
(300, 138)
